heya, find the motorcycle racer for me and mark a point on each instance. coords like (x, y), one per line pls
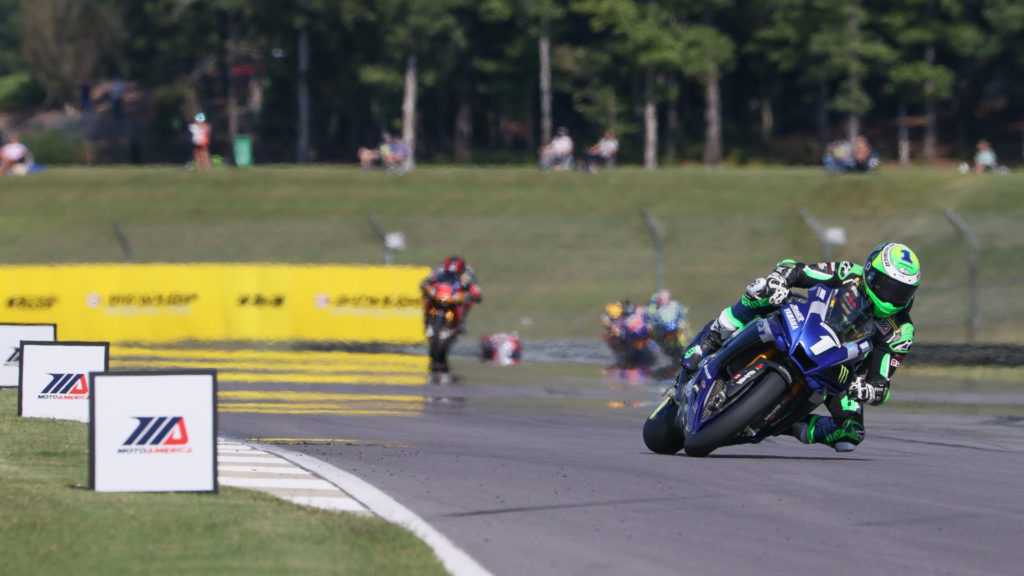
(453, 266)
(890, 277)
(667, 322)
(612, 327)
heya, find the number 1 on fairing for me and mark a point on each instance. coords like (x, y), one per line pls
(824, 344)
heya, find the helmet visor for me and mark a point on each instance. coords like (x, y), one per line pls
(889, 290)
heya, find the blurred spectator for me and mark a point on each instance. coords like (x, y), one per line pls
(838, 157)
(392, 154)
(384, 150)
(865, 158)
(84, 96)
(117, 89)
(367, 157)
(601, 154)
(985, 158)
(395, 161)
(201, 132)
(15, 157)
(557, 154)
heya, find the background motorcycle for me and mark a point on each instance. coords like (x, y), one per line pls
(668, 331)
(767, 376)
(638, 351)
(503, 348)
(442, 323)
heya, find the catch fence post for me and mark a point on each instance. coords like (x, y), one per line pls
(393, 241)
(827, 236)
(659, 252)
(973, 257)
(122, 239)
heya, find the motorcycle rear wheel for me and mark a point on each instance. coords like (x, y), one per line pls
(660, 432)
(736, 417)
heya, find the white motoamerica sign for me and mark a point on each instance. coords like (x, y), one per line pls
(11, 336)
(54, 380)
(153, 431)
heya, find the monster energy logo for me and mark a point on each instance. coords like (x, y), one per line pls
(844, 372)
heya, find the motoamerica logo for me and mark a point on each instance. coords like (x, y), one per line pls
(15, 358)
(157, 435)
(66, 387)
(31, 302)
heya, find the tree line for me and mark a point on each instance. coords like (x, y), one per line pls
(489, 80)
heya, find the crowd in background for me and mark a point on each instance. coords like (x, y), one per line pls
(486, 82)
(841, 157)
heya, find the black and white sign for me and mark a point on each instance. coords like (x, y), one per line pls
(54, 378)
(153, 431)
(11, 336)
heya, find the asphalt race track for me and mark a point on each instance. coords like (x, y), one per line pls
(550, 476)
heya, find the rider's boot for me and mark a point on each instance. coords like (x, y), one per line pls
(816, 429)
(710, 344)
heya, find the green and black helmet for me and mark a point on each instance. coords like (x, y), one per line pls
(892, 274)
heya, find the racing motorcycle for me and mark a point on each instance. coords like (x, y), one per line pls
(442, 321)
(637, 351)
(767, 376)
(667, 327)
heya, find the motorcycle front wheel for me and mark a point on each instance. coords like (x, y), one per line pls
(660, 432)
(439, 353)
(727, 425)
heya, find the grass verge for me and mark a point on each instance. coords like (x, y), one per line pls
(52, 523)
(550, 249)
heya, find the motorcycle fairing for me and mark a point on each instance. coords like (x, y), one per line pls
(717, 374)
(824, 358)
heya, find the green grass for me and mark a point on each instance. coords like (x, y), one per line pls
(51, 523)
(549, 248)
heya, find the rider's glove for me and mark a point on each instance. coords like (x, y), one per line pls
(777, 289)
(863, 391)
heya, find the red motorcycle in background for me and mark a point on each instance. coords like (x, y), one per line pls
(504, 348)
(446, 299)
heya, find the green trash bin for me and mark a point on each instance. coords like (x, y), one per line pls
(243, 151)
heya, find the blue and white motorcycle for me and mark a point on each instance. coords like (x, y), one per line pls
(767, 376)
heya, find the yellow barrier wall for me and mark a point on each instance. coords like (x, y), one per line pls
(168, 302)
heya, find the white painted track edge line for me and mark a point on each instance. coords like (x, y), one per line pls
(454, 559)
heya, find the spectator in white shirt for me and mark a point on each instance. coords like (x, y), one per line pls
(601, 154)
(15, 157)
(558, 154)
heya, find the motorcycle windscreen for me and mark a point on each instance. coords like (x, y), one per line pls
(849, 314)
